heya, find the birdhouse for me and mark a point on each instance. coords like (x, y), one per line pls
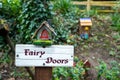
(85, 26)
(44, 33)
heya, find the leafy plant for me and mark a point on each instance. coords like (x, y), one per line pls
(15, 73)
(115, 16)
(64, 29)
(62, 6)
(112, 53)
(116, 21)
(117, 7)
(69, 73)
(65, 25)
(10, 7)
(109, 74)
(5, 59)
(32, 14)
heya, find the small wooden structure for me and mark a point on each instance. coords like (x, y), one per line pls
(44, 32)
(85, 26)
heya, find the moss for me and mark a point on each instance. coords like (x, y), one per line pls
(43, 43)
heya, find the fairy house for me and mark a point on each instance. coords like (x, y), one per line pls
(85, 26)
(44, 32)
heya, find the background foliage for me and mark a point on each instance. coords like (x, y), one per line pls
(72, 73)
(11, 8)
(115, 17)
(111, 73)
(32, 14)
(25, 16)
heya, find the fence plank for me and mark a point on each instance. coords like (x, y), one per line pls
(79, 2)
(102, 3)
(106, 11)
(90, 3)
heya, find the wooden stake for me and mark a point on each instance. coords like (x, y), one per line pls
(43, 73)
(88, 5)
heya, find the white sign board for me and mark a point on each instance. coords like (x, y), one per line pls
(55, 55)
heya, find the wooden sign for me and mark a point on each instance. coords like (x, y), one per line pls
(55, 55)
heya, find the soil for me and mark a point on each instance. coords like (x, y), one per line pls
(99, 48)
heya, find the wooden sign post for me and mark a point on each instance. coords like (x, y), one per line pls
(43, 73)
(44, 57)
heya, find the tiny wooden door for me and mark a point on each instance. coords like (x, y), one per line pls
(44, 34)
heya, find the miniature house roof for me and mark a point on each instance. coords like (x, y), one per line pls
(85, 22)
(44, 24)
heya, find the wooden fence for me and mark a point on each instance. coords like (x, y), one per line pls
(90, 3)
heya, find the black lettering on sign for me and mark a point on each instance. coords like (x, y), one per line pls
(29, 52)
(56, 61)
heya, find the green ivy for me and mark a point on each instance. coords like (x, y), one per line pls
(115, 17)
(32, 14)
(70, 73)
(116, 21)
(11, 8)
(108, 74)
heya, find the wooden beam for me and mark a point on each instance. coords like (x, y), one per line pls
(103, 3)
(79, 2)
(43, 73)
(106, 11)
(88, 5)
(94, 2)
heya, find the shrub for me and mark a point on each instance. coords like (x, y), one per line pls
(11, 8)
(65, 22)
(62, 6)
(115, 16)
(109, 74)
(69, 73)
